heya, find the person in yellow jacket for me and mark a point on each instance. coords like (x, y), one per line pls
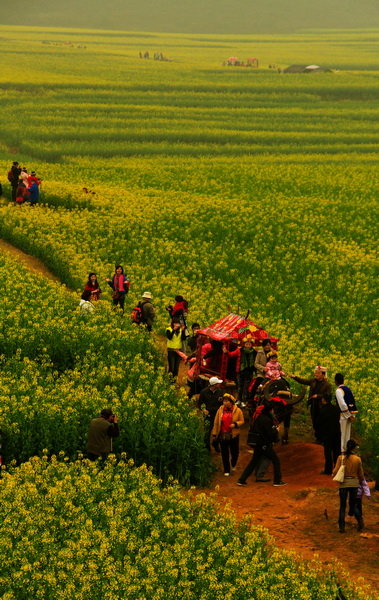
(229, 418)
(175, 335)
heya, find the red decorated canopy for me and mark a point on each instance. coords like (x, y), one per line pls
(234, 327)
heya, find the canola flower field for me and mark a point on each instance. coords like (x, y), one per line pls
(232, 186)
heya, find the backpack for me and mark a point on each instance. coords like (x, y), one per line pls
(10, 176)
(136, 314)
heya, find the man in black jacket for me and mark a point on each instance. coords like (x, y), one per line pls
(13, 177)
(328, 425)
(210, 400)
(266, 434)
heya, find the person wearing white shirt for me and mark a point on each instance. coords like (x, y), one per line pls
(346, 404)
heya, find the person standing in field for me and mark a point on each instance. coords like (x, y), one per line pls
(346, 404)
(102, 430)
(226, 428)
(13, 178)
(93, 286)
(353, 479)
(148, 310)
(175, 335)
(319, 387)
(120, 285)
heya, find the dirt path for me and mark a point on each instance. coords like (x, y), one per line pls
(33, 264)
(301, 516)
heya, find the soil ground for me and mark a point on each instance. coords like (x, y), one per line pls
(301, 516)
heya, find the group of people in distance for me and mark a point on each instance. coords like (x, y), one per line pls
(143, 313)
(25, 186)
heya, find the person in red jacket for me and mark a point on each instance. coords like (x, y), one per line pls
(93, 286)
(120, 285)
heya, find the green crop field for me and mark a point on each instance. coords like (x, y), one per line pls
(234, 186)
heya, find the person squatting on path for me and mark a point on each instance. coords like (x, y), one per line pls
(266, 434)
(346, 404)
(353, 479)
(85, 303)
(210, 400)
(101, 432)
(319, 387)
(226, 427)
(120, 285)
(176, 335)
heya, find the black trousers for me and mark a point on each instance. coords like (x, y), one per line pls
(120, 301)
(259, 453)
(354, 507)
(230, 450)
(173, 360)
(244, 378)
(331, 453)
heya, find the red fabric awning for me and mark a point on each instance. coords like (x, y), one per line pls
(234, 327)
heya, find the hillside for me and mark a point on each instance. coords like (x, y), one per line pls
(197, 16)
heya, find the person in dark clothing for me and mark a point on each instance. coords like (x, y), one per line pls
(328, 426)
(245, 366)
(319, 387)
(209, 401)
(192, 339)
(148, 311)
(13, 177)
(266, 434)
(101, 431)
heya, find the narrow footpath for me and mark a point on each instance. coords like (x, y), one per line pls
(301, 516)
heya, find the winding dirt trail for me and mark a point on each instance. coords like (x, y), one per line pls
(302, 516)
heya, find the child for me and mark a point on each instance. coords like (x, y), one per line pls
(273, 368)
(363, 490)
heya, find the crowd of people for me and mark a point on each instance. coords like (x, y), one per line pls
(25, 186)
(222, 412)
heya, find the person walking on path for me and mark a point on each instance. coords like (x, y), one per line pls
(13, 178)
(209, 401)
(175, 335)
(226, 427)
(353, 478)
(346, 404)
(328, 425)
(101, 432)
(120, 285)
(319, 387)
(266, 434)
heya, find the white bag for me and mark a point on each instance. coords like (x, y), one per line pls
(340, 475)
